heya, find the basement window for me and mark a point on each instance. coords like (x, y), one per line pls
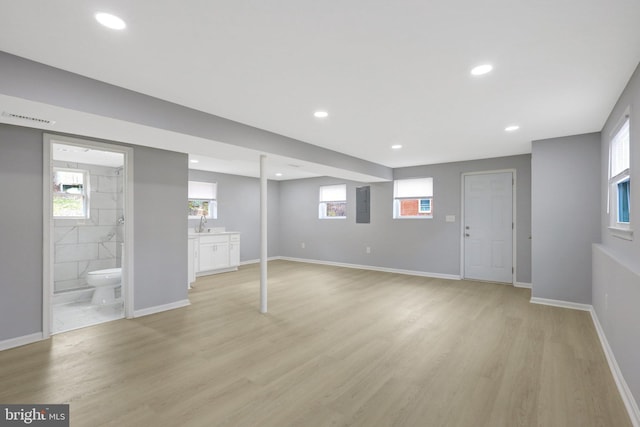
(413, 198)
(70, 193)
(619, 190)
(202, 200)
(333, 202)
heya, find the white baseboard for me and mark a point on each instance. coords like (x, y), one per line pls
(374, 268)
(523, 285)
(20, 341)
(623, 388)
(257, 261)
(560, 303)
(161, 308)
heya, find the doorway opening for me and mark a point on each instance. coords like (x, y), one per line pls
(88, 208)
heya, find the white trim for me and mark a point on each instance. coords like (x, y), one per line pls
(560, 303)
(216, 271)
(523, 285)
(128, 261)
(48, 248)
(47, 239)
(256, 261)
(623, 388)
(374, 268)
(160, 308)
(514, 218)
(20, 341)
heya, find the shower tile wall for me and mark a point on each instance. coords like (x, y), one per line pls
(83, 245)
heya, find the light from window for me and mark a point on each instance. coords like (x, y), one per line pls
(202, 199)
(619, 177)
(70, 196)
(413, 198)
(333, 201)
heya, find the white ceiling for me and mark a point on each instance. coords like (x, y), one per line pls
(387, 72)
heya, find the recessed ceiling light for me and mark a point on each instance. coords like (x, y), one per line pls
(194, 161)
(110, 21)
(511, 128)
(396, 146)
(278, 174)
(481, 69)
(321, 114)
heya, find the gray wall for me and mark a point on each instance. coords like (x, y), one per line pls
(565, 216)
(430, 245)
(160, 241)
(20, 232)
(616, 263)
(239, 210)
(626, 250)
(160, 223)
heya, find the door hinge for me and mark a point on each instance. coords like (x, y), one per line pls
(513, 270)
(513, 225)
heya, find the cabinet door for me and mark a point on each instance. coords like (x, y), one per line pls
(191, 260)
(206, 256)
(234, 254)
(220, 256)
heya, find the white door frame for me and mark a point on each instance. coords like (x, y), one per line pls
(47, 226)
(514, 219)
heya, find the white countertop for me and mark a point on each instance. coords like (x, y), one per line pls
(193, 233)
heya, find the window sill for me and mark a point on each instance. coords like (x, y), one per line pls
(414, 217)
(621, 233)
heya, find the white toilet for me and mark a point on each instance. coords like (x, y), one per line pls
(106, 282)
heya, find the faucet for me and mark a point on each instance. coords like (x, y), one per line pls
(203, 221)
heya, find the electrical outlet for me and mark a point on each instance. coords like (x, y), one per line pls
(368, 249)
(302, 245)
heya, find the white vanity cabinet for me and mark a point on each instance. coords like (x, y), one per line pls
(192, 259)
(234, 249)
(216, 253)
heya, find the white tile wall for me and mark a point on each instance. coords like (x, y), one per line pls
(96, 234)
(65, 271)
(65, 235)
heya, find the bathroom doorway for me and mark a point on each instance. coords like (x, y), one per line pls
(88, 237)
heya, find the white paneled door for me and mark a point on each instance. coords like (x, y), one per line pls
(488, 227)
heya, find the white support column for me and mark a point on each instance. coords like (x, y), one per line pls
(263, 234)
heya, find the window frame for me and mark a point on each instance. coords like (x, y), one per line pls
(323, 204)
(86, 193)
(620, 229)
(425, 194)
(212, 201)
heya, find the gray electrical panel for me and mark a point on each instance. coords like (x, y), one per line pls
(363, 205)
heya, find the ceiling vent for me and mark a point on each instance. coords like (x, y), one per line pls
(28, 118)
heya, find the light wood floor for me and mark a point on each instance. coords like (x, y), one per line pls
(339, 347)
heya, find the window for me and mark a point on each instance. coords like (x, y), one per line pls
(70, 193)
(620, 178)
(203, 199)
(413, 198)
(333, 201)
